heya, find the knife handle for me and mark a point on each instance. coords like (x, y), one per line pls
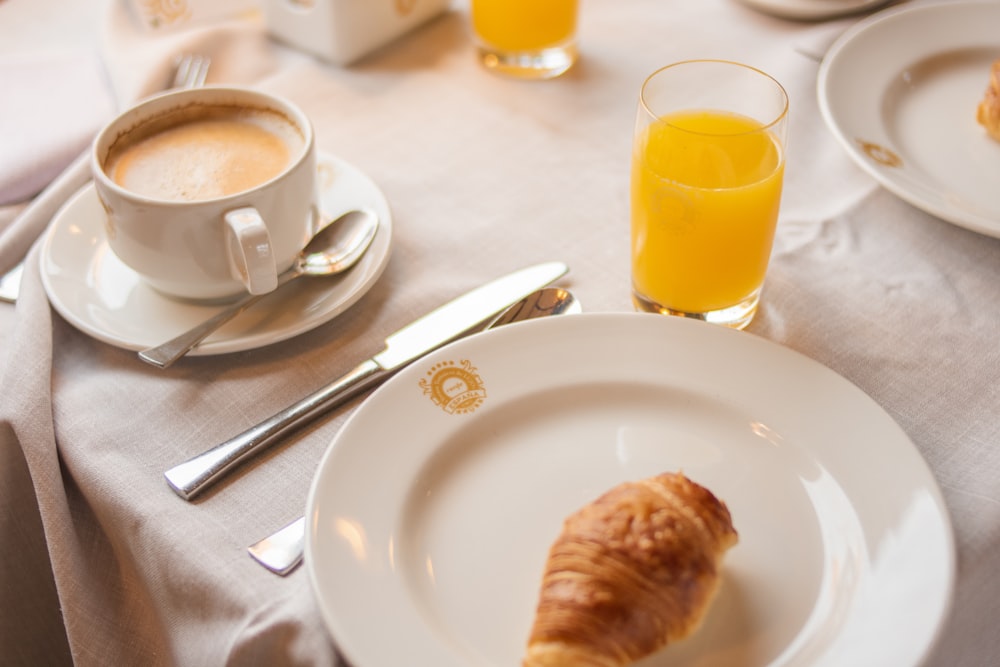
(190, 478)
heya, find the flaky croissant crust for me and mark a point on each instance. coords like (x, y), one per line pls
(988, 112)
(630, 572)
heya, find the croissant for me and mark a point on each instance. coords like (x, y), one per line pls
(988, 112)
(631, 572)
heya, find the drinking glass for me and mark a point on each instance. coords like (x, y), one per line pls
(530, 39)
(708, 161)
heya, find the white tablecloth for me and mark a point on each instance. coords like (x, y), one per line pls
(103, 564)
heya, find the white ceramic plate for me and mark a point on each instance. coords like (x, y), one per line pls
(813, 10)
(900, 92)
(431, 515)
(95, 292)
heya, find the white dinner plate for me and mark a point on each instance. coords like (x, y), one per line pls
(95, 292)
(813, 10)
(900, 92)
(431, 514)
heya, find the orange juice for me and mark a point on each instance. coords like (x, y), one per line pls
(524, 25)
(706, 187)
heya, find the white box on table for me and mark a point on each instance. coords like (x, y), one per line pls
(342, 31)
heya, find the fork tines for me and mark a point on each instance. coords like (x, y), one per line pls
(191, 71)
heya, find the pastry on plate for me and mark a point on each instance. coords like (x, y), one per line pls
(988, 113)
(632, 571)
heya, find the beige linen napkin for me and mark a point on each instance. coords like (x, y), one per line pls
(54, 103)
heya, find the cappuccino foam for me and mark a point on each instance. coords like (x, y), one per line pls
(198, 154)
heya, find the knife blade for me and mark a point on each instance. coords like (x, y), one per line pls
(457, 318)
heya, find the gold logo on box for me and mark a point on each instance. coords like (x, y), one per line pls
(166, 12)
(404, 7)
(455, 388)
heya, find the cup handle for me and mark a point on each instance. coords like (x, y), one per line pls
(251, 258)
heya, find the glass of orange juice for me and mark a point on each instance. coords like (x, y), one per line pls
(530, 39)
(708, 160)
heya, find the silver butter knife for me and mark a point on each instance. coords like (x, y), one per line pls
(282, 551)
(441, 326)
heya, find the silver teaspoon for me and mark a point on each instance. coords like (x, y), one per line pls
(335, 248)
(281, 552)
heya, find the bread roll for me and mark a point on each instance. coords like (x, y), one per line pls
(631, 572)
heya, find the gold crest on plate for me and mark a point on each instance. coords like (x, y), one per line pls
(880, 154)
(455, 388)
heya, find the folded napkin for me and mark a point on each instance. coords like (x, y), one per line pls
(42, 132)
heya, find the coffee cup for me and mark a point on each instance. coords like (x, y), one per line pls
(209, 192)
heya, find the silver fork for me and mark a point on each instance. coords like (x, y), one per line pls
(190, 71)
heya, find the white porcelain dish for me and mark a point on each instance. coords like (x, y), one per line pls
(813, 10)
(95, 292)
(900, 91)
(431, 514)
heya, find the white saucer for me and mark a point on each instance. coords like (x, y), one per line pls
(813, 10)
(900, 90)
(95, 292)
